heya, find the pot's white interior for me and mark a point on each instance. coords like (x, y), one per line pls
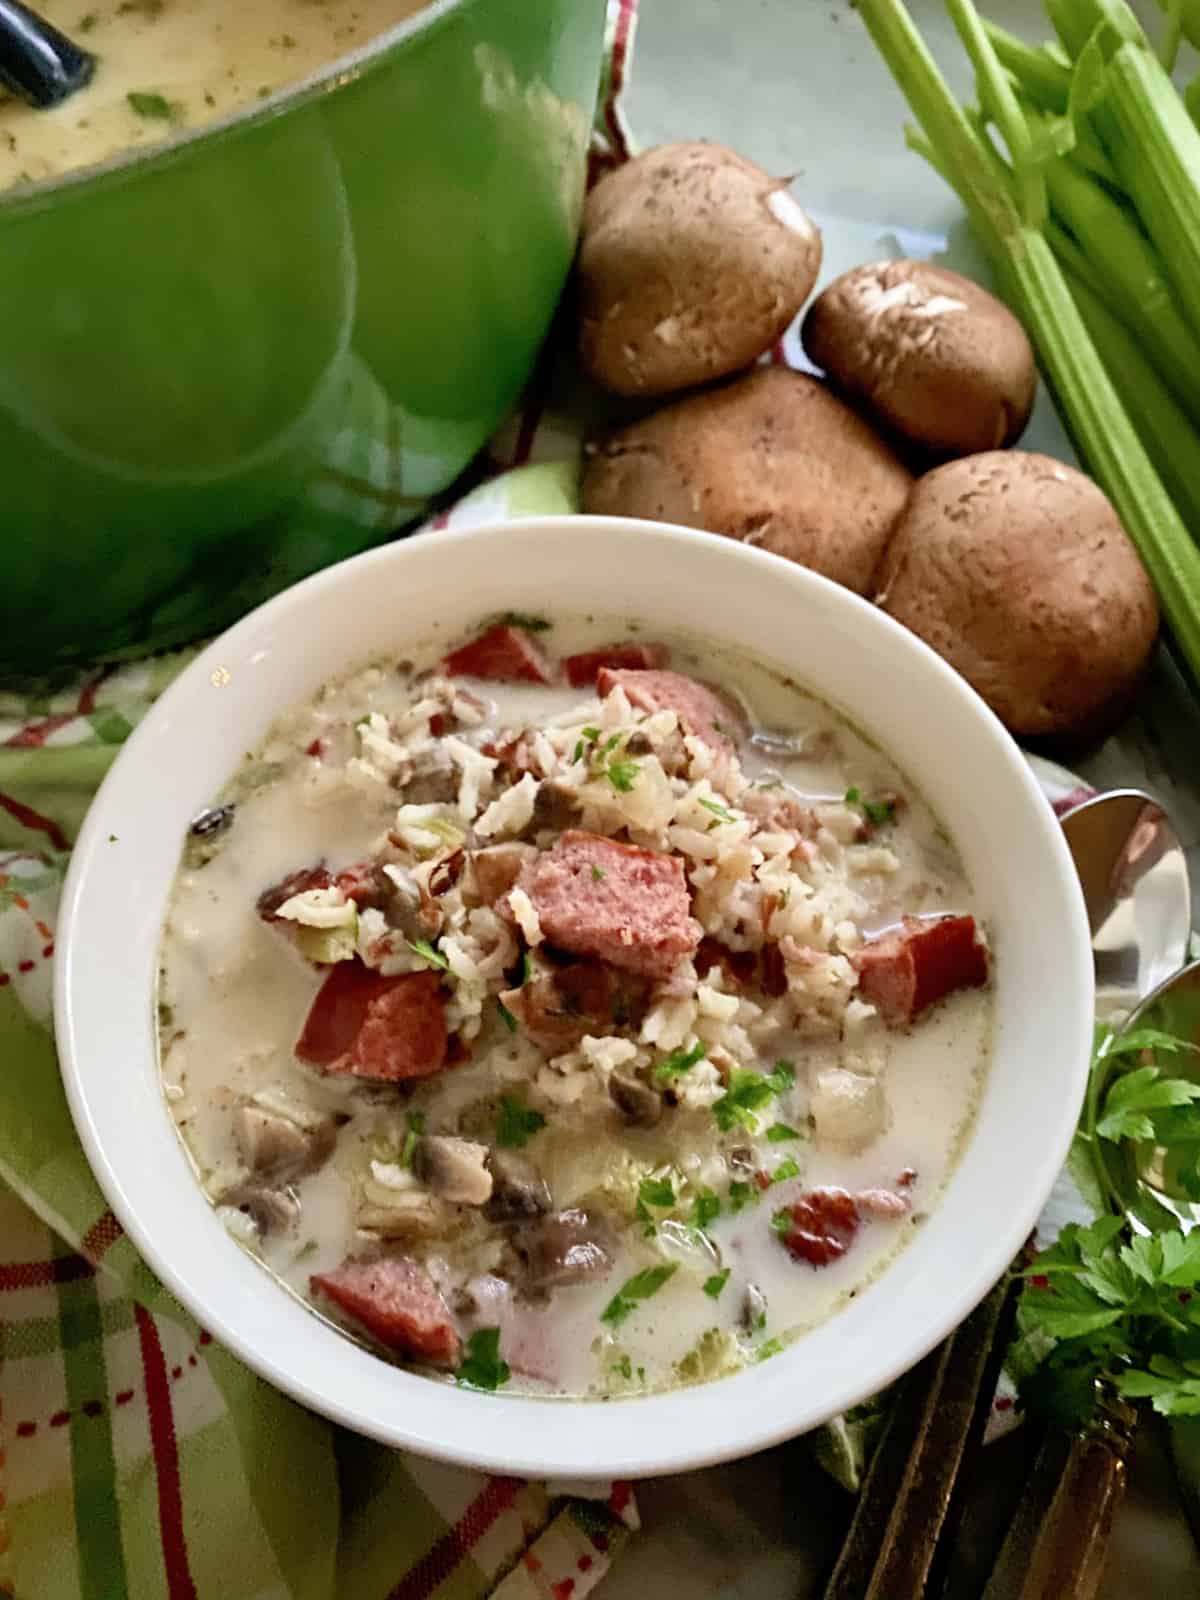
(889, 683)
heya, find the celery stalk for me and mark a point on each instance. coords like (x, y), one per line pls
(1038, 75)
(996, 90)
(1101, 428)
(1166, 431)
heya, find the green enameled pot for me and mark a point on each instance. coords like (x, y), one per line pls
(261, 347)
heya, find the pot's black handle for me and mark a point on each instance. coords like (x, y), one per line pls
(39, 64)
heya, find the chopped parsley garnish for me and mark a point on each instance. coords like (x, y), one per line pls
(766, 1351)
(706, 1209)
(678, 1061)
(515, 1123)
(722, 812)
(741, 1195)
(522, 620)
(577, 753)
(423, 948)
(783, 1221)
(780, 1133)
(852, 797)
(416, 1127)
(640, 1287)
(785, 1170)
(590, 733)
(625, 1368)
(526, 968)
(598, 874)
(748, 1093)
(878, 812)
(506, 1016)
(714, 1285)
(622, 775)
(483, 1368)
(154, 106)
(658, 1192)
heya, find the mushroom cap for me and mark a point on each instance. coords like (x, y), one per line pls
(1016, 569)
(692, 262)
(773, 458)
(926, 352)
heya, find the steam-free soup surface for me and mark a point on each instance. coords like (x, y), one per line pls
(571, 1035)
(167, 65)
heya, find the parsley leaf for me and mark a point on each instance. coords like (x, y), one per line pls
(423, 948)
(1172, 1387)
(772, 1347)
(656, 1192)
(155, 107)
(741, 1195)
(852, 797)
(714, 1285)
(779, 1133)
(748, 1092)
(640, 1287)
(1135, 1096)
(483, 1368)
(622, 775)
(506, 1016)
(598, 874)
(706, 1209)
(679, 1061)
(625, 1368)
(591, 734)
(719, 811)
(785, 1170)
(416, 1127)
(516, 1124)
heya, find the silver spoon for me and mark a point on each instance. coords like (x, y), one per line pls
(1134, 876)
(38, 63)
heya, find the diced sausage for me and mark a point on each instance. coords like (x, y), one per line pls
(582, 670)
(904, 972)
(447, 873)
(397, 1303)
(823, 1225)
(700, 709)
(366, 883)
(501, 655)
(300, 882)
(558, 1008)
(622, 904)
(497, 868)
(371, 1026)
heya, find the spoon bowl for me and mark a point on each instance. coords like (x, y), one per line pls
(1134, 876)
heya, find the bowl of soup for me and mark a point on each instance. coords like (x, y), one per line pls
(268, 283)
(565, 1019)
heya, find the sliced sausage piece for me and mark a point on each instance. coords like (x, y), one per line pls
(622, 904)
(700, 709)
(558, 1008)
(396, 1301)
(270, 900)
(566, 1247)
(904, 972)
(497, 868)
(371, 1026)
(824, 1223)
(582, 670)
(366, 883)
(501, 655)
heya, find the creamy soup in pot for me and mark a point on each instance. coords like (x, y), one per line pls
(167, 65)
(570, 1017)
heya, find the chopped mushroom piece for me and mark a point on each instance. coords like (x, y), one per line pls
(567, 1247)
(754, 1308)
(637, 1101)
(518, 1189)
(455, 1169)
(280, 1145)
(272, 1210)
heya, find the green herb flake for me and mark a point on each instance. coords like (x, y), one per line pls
(622, 775)
(640, 1287)
(527, 624)
(598, 874)
(782, 1221)
(748, 1092)
(591, 734)
(625, 1368)
(677, 1062)
(483, 1368)
(780, 1133)
(87, 22)
(879, 812)
(516, 1124)
(714, 1285)
(707, 1208)
(772, 1347)
(741, 1195)
(852, 797)
(506, 1016)
(722, 813)
(785, 1170)
(416, 1127)
(154, 107)
(423, 948)
(577, 754)
(658, 1192)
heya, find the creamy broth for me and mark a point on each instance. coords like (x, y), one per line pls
(235, 994)
(169, 65)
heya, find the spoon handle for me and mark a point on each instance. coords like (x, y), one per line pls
(39, 64)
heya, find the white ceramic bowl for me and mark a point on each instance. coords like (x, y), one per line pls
(882, 677)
